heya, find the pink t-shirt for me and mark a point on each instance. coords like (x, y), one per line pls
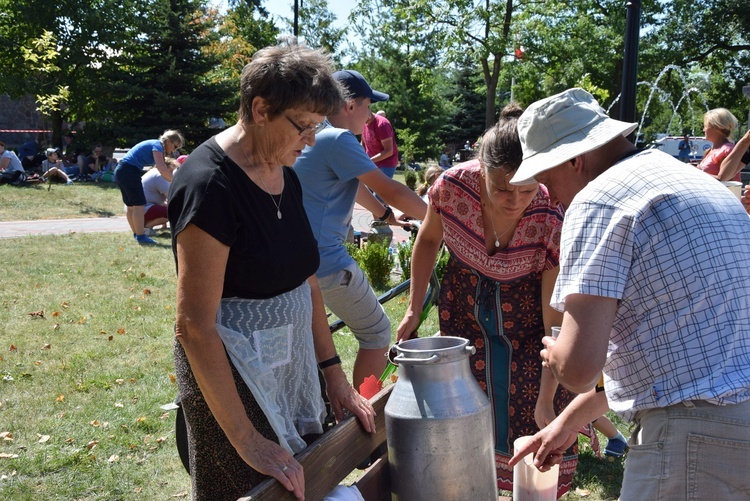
(372, 136)
(713, 158)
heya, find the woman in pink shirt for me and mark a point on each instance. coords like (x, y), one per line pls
(718, 125)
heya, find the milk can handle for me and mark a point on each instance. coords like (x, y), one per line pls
(416, 361)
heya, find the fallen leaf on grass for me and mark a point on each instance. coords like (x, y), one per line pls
(142, 275)
(6, 455)
(146, 292)
(6, 435)
(92, 444)
(120, 381)
(180, 495)
(113, 458)
(37, 362)
(138, 490)
(55, 327)
(119, 405)
(55, 314)
(47, 347)
(121, 331)
(61, 398)
(12, 348)
(6, 477)
(64, 304)
(173, 378)
(582, 492)
(82, 320)
(95, 423)
(43, 438)
(110, 338)
(35, 314)
(68, 440)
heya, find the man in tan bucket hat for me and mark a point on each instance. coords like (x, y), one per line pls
(655, 290)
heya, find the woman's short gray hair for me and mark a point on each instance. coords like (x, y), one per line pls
(287, 76)
(500, 147)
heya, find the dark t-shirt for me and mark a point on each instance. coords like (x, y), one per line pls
(268, 256)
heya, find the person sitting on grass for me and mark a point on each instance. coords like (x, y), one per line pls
(53, 169)
(11, 169)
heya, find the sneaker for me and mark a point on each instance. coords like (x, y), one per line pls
(144, 240)
(616, 447)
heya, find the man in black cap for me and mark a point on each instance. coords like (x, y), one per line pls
(330, 173)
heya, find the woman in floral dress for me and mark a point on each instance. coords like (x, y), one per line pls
(504, 245)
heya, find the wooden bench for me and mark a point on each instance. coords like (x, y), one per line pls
(331, 458)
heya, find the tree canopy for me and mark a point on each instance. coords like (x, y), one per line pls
(124, 70)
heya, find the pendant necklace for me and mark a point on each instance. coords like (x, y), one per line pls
(278, 205)
(497, 238)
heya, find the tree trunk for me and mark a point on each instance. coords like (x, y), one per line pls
(56, 120)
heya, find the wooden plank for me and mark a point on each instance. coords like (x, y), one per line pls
(375, 484)
(332, 457)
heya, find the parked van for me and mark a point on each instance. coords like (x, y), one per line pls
(670, 145)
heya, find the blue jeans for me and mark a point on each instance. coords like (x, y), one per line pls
(388, 171)
(689, 451)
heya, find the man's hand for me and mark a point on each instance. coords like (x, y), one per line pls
(549, 445)
(343, 396)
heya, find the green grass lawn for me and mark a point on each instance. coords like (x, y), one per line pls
(86, 360)
(58, 201)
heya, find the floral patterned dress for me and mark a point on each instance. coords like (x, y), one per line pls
(496, 303)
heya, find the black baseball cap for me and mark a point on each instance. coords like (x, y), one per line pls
(358, 86)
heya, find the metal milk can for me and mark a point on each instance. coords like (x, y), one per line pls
(439, 425)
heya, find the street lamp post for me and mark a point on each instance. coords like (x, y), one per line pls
(630, 61)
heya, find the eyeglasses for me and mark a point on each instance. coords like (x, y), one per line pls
(315, 128)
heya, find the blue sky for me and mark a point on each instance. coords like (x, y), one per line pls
(285, 8)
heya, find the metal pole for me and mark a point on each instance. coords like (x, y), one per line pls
(746, 91)
(630, 61)
(296, 18)
(512, 84)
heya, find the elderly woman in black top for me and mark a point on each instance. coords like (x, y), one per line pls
(251, 324)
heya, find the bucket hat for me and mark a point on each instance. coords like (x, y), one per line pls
(561, 127)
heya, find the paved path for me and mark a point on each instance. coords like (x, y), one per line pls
(10, 229)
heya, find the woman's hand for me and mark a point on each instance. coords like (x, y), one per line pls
(407, 329)
(343, 396)
(271, 459)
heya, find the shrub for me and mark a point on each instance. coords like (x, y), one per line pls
(376, 262)
(410, 179)
(403, 251)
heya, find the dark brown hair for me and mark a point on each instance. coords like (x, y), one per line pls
(500, 147)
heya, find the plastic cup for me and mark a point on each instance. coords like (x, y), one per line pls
(555, 332)
(530, 484)
(734, 186)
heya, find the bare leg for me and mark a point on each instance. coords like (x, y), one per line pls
(129, 215)
(606, 427)
(156, 222)
(368, 363)
(137, 219)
